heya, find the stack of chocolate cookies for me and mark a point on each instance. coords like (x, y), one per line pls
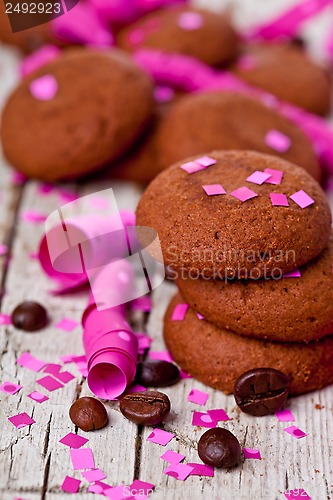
(248, 239)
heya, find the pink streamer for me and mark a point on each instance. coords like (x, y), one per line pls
(288, 24)
(191, 75)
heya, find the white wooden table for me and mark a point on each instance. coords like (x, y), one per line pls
(33, 464)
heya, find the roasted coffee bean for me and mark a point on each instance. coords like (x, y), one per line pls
(88, 414)
(29, 316)
(219, 448)
(145, 408)
(157, 373)
(261, 391)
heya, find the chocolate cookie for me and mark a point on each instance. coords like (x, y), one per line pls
(194, 32)
(212, 221)
(76, 113)
(217, 357)
(296, 309)
(287, 72)
(224, 120)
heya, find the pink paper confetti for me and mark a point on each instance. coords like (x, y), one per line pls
(68, 325)
(39, 58)
(45, 189)
(179, 312)
(44, 88)
(164, 94)
(184, 374)
(201, 470)
(5, 319)
(203, 420)
(279, 200)
(99, 488)
(158, 436)
(295, 432)
(18, 179)
(200, 316)
(3, 250)
(247, 62)
(285, 416)
(21, 420)
(243, 194)
(219, 415)
(275, 176)
(33, 216)
(82, 458)
(10, 388)
(28, 361)
(54, 369)
(172, 457)
(252, 453)
(93, 475)
(190, 21)
(163, 355)
(144, 343)
(296, 494)
(206, 161)
(293, 274)
(74, 441)
(141, 487)
(178, 471)
(198, 397)
(49, 383)
(141, 304)
(38, 397)
(213, 189)
(70, 485)
(258, 177)
(136, 37)
(135, 388)
(302, 199)
(277, 141)
(191, 167)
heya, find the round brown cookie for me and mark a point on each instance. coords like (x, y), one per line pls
(223, 236)
(287, 72)
(99, 104)
(194, 32)
(225, 120)
(287, 310)
(217, 357)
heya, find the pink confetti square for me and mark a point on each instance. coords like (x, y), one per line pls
(163, 355)
(10, 388)
(99, 487)
(28, 361)
(135, 388)
(258, 177)
(277, 141)
(184, 374)
(203, 420)
(54, 369)
(179, 312)
(44, 88)
(68, 325)
(275, 176)
(141, 304)
(246, 62)
(33, 216)
(144, 342)
(141, 487)
(219, 415)
(136, 37)
(70, 485)
(302, 199)
(190, 21)
(172, 457)
(38, 397)
(178, 471)
(285, 416)
(158, 436)
(296, 494)
(74, 441)
(279, 200)
(214, 189)
(293, 274)
(200, 316)
(49, 383)
(164, 94)
(21, 420)
(18, 179)
(93, 475)
(5, 319)
(243, 194)
(3, 250)
(198, 397)
(251, 453)
(202, 470)
(192, 167)
(206, 161)
(295, 432)
(82, 458)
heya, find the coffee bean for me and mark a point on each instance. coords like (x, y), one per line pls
(261, 391)
(157, 373)
(88, 414)
(29, 316)
(145, 408)
(219, 448)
